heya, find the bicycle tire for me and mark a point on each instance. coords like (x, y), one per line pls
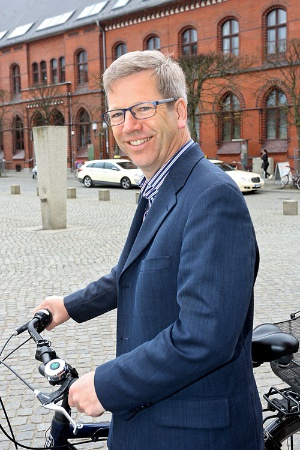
(297, 183)
(284, 182)
(279, 431)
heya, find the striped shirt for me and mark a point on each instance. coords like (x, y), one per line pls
(149, 189)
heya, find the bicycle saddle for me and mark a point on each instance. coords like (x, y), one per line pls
(270, 343)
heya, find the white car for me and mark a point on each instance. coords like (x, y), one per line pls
(246, 181)
(119, 172)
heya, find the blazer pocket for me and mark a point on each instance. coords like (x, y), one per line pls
(199, 413)
(162, 263)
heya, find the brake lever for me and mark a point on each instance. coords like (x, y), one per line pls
(52, 406)
(46, 398)
(49, 400)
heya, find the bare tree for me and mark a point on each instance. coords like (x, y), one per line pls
(48, 100)
(206, 74)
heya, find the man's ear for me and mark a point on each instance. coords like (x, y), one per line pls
(181, 111)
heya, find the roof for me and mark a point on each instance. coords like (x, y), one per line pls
(26, 20)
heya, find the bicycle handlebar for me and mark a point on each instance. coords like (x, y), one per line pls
(54, 369)
(40, 321)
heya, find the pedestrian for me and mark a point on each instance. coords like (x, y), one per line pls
(265, 164)
(183, 286)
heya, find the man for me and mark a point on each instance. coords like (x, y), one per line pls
(182, 377)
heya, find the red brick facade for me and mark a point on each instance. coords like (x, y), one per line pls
(80, 102)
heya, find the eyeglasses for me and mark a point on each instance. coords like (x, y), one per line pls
(141, 111)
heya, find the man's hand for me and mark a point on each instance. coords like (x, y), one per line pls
(83, 397)
(56, 305)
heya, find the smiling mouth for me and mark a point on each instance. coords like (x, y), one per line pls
(139, 141)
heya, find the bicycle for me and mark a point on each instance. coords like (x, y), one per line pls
(274, 343)
(290, 177)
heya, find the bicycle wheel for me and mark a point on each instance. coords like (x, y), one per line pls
(280, 431)
(297, 183)
(283, 181)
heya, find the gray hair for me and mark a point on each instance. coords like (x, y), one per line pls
(170, 79)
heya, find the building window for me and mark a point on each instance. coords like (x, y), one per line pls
(57, 118)
(276, 32)
(53, 71)
(276, 115)
(82, 67)
(38, 120)
(84, 129)
(189, 42)
(231, 118)
(62, 69)
(35, 73)
(230, 37)
(153, 43)
(16, 79)
(120, 50)
(18, 133)
(43, 72)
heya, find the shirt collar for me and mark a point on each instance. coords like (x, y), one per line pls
(150, 188)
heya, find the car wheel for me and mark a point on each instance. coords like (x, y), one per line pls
(125, 183)
(87, 181)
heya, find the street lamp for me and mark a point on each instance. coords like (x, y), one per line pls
(103, 132)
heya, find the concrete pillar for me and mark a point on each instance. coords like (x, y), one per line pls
(50, 146)
(104, 195)
(290, 207)
(15, 189)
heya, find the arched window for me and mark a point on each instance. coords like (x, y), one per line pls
(276, 115)
(57, 118)
(189, 42)
(18, 135)
(84, 129)
(53, 71)
(82, 67)
(37, 120)
(62, 69)
(35, 73)
(276, 32)
(230, 37)
(43, 72)
(231, 118)
(15, 79)
(120, 50)
(153, 43)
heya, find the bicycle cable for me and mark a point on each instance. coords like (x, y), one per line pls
(18, 444)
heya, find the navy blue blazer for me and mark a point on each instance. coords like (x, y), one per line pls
(183, 287)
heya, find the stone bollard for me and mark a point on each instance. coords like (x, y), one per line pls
(290, 207)
(37, 191)
(104, 195)
(15, 189)
(71, 192)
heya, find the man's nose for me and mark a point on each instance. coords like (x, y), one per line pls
(130, 122)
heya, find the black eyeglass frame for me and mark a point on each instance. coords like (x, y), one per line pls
(155, 103)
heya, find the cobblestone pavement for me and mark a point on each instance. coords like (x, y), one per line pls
(35, 263)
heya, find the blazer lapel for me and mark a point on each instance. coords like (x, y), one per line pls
(156, 215)
(134, 229)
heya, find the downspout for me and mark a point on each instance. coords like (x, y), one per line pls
(104, 68)
(103, 44)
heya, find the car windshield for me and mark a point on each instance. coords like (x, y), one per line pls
(224, 166)
(126, 165)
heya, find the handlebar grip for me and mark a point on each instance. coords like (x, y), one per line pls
(40, 321)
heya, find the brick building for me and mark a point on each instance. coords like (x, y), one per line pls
(52, 55)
